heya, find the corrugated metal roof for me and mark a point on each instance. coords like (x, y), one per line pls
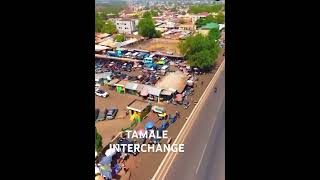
(113, 82)
(104, 75)
(211, 26)
(131, 86)
(166, 92)
(153, 90)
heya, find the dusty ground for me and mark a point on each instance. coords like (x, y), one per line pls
(159, 44)
(109, 128)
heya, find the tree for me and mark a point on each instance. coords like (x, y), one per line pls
(120, 38)
(104, 27)
(200, 51)
(98, 141)
(109, 27)
(206, 8)
(147, 15)
(98, 23)
(153, 13)
(203, 21)
(219, 18)
(146, 27)
(214, 34)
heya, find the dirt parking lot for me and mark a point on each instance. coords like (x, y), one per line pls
(160, 45)
(109, 128)
(144, 165)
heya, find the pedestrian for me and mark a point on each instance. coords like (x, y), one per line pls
(177, 114)
(201, 83)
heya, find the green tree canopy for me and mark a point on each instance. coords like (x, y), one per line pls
(120, 38)
(219, 18)
(203, 21)
(147, 15)
(214, 34)
(110, 27)
(104, 27)
(98, 23)
(98, 141)
(206, 8)
(146, 27)
(200, 51)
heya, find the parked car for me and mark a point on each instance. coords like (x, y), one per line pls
(97, 113)
(158, 109)
(101, 116)
(101, 93)
(111, 113)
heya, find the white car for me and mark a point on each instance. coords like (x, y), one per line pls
(101, 93)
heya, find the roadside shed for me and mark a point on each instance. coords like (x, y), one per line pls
(120, 86)
(131, 88)
(138, 109)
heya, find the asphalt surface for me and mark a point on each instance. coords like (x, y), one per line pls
(204, 155)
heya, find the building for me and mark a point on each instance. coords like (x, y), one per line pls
(132, 88)
(206, 28)
(120, 86)
(138, 110)
(190, 27)
(127, 26)
(195, 17)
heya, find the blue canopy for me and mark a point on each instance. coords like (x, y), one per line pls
(149, 125)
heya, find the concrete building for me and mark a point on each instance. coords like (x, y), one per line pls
(127, 26)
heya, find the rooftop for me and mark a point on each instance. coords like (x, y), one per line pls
(100, 48)
(155, 91)
(138, 105)
(132, 86)
(203, 14)
(102, 35)
(121, 83)
(113, 82)
(176, 81)
(210, 26)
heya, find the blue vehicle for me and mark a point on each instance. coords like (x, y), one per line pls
(119, 53)
(172, 118)
(148, 60)
(164, 125)
(141, 56)
(112, 53)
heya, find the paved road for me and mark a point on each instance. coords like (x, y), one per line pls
(204, 157)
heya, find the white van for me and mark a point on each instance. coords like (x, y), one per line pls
(164, 69)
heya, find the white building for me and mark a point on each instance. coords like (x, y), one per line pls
(127, 26)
